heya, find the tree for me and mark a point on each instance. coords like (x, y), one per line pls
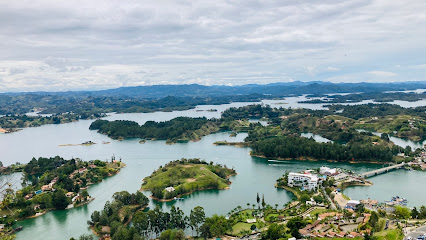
(177, 218)
(374, 221)
(415, 213)
(304, 198)
(294, 224)
(59, 200)
(258, 200)
(274, 232)
(85, 194)
(172, 234)
(196, 218)
(402, 212)
(215, 226)
(422, 212)
(263, 201)
(141, 222)
(385, 137)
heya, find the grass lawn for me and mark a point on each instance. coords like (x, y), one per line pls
(245, 214)
(268, 218)
(237, 228)
(318, 210)
(393, 234)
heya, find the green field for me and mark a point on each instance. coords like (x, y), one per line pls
(393, 234)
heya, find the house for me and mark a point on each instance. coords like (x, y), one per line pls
(321, 235)
(82, 170)
(251, 220)
(170, 189)
(46, 187)
(105, 237)
(54, 180)
(311, 202)
(92, 166)
(331, 234)
(28, 196)
(75, 198)
(306, 180)
(69, 194)
(328, 171)
(352, 204)
(353, 235)
(341, 234)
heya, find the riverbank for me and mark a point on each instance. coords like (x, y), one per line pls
(345, 185)
(236, 144)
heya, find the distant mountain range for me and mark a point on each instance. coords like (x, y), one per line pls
(273, 89)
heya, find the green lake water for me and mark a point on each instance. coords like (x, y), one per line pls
(255, 175)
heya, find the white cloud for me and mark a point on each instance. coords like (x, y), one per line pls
(80, 44)
(382, 74)
(333, 69)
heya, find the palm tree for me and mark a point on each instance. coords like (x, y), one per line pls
(254, 205)
(248, 205)
(276, 206)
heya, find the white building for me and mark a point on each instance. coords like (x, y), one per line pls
(170, 189)
(306, 180)
(328, 171)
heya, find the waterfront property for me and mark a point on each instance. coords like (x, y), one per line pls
(305, 180)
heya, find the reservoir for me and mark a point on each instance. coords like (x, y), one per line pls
(255, 175)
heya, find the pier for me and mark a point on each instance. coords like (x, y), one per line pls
(381, 170)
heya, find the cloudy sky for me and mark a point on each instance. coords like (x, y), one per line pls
(70, 45)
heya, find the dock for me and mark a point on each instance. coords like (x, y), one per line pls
(382, 170)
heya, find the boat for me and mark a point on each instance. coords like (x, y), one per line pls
(175, 198)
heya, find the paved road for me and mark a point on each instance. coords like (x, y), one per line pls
(329, 200)
(414, 234)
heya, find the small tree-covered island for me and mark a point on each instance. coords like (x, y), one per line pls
(182, 177)
(177, 129)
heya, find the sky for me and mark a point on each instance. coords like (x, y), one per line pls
(99, 44)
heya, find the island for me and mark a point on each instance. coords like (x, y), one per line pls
(52, 183)
(179, 129)
(185, 176)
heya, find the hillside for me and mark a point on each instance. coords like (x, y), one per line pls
(185, 176)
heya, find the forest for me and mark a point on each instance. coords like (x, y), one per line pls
(124, 208)
(295, 147)
(180, 128)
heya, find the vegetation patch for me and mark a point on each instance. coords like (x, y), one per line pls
(185, 176)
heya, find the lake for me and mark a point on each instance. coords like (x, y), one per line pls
(255, 175)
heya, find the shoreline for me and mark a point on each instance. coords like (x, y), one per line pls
(315, 160)
(289, 189)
